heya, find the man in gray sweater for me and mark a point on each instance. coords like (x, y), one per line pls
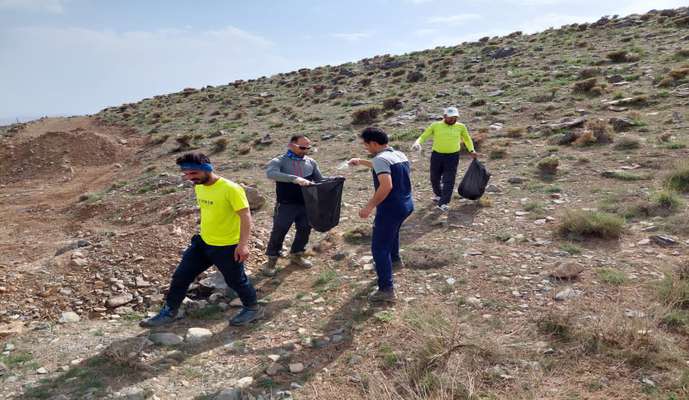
(290, 171)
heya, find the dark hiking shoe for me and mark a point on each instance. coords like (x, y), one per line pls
(382, 296)
(269, 268)
(299, 260)
(165, 316)
(247, 315)
(399, 264)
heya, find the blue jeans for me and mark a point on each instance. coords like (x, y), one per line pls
(197, 258)
(385, 243)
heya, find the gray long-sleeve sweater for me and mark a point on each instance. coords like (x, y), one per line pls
(284, 170)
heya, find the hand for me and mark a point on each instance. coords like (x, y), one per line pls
(303, 182)
(241, 253)
(416, 146)
(354, 161)
(473, 155)
(365, 212)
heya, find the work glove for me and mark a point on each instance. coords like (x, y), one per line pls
(416, 146)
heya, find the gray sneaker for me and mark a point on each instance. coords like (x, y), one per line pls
(247, 315)
(269, 268)
(299, 260)
(382, 296)
(165, 316)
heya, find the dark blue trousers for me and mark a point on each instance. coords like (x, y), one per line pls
(197, 258)
(385, 243)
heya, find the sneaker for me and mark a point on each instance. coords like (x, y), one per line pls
(443, 207)
(299, 260)
(165, 316)
(436, 199)
(382, 296)
(247, 315)
(399, 264)
(269, 268)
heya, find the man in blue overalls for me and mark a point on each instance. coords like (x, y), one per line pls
(393, 203)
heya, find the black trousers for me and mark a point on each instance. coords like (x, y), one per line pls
(443, 175)
(197, 258)
(284, 216)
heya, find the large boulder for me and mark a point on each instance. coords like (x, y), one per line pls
(255, 198)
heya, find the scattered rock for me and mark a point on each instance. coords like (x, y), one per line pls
(516, 180)
(166, 339)
(621, 124)
(69, 317)
(41, 371)
(229, 394)
(245, 382)
(565, 294)
(273, 369)
(131, 393)
(198, 335)
(665, 241)
(296, 368)
(119, 300)
(3, 369)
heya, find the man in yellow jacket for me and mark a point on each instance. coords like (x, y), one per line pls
(447, 136)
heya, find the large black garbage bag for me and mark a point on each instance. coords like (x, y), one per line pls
(323, 200)
(474, 182)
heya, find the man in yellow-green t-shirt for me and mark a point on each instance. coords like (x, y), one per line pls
(223, 241)
(447, 136)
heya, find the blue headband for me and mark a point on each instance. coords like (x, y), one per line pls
(191, 166)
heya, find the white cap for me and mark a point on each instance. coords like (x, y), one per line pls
(451, 112)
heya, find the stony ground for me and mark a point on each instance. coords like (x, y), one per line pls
(494, 301)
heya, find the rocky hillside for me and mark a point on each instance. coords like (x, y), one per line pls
(569, 279)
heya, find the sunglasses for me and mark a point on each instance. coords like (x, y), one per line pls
(303, 147)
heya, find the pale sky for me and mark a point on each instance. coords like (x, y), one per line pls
(67, 57)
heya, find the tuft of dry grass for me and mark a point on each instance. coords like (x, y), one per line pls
(364, 116)
(580, 224)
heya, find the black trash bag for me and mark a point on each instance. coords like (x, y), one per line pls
(323, 200)
(474, 182)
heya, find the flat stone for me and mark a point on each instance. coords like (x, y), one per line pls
(69, 317)
(41, 371)
(229, 394)
(166, 339)
(245, 382)
(565, 294)
(662, 240)
(273, 369)
(198, 335)
(296, 368)
(131, 393)
(119, 300)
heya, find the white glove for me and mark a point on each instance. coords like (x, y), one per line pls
(416, 146)
(302, 182)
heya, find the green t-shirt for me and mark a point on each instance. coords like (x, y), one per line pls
(446, 138)
(219, 203)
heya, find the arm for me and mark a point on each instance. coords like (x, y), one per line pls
(359, 161)
(424, 136)
(317, 176)
(273, 172)
(381, 193)
(241, 252)
(464, 134)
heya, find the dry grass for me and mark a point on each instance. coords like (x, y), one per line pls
(364, 116)
(678, 178)
(580, 224)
